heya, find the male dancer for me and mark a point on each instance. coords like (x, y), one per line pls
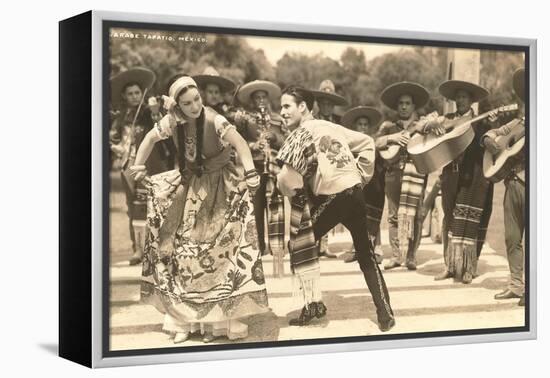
(318, 164)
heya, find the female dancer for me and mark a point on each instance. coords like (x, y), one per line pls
(202, 264)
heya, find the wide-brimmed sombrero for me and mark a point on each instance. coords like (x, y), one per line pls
(518, 83)
(390, 95)
(273, 91)
(144, 77)
(328, 91)
(372, 114)
(211, 76)
(449, 88)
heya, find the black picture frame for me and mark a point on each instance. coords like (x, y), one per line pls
(84, 196)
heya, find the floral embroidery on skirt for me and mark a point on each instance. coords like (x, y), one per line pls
(204, 232)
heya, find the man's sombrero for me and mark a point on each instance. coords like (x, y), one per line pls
(518, 83)
(449, 88)
(391, 94)
(144, 77)
(273, 91)
(372, 114)
(328, 91)
(211, 76)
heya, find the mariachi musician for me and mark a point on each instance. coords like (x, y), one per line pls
(404, 186)
(213, 88)
(514, 201)
(467, 196)
(265, 132)
(133, 121)
(367, 120)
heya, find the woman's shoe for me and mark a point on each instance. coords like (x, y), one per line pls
(180, 337)
(237, 330)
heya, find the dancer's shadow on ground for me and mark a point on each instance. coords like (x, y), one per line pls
(267, 327)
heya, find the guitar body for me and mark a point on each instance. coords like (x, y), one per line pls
(497, 167)
(430, 152)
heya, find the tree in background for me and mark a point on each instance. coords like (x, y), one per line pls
(230, 55)
(360, 83)
(497, 68)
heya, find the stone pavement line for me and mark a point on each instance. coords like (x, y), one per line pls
(420, 303)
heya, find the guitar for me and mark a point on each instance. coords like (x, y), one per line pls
(393, 151)
(430, 152)
(497, 167)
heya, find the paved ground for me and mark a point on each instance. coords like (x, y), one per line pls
(420, 303)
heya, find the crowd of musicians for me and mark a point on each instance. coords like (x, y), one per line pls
(208, 179)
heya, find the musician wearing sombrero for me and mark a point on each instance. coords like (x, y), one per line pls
(514, 199)
(264, 132)
(467, 196)
(133, 120)
(327, 99)
(404, 186)
(367, 120)
(213, 88)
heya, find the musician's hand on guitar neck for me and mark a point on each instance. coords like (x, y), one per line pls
(434, 127)
(493, 117)
(491, 145)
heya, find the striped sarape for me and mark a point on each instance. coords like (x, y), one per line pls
(299, 152)
(468, 228)
(304, 252)
(412, 190)
(275, 216)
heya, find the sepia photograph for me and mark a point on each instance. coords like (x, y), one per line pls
(270, 190)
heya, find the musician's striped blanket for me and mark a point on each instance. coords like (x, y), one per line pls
(412, 189)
